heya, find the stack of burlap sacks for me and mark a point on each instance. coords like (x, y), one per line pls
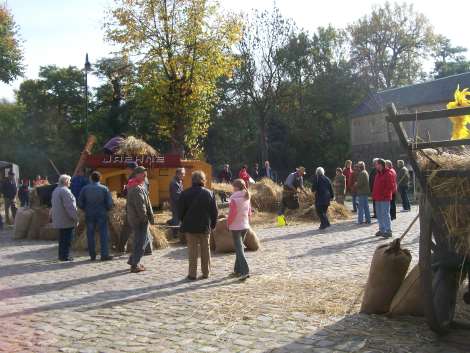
(34, 223)
(387, 290)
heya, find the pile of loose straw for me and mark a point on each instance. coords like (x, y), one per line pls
(455, 214)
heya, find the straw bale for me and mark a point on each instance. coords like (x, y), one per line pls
(132, 146)
(266, 195)
(251, 241)
(159, 237)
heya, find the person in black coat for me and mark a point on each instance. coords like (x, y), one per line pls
(372, 174)
(323, 189)
(197, 209)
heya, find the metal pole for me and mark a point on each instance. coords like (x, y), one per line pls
(86, 102)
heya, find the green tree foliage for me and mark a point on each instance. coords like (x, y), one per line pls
(52, 126)
(183, 48)
(388, 45)
(449, 60)
(11, 54)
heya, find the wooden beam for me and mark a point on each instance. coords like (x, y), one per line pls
(436, 144)
(433, 114)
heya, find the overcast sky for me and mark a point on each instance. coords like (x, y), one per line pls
(60, 32)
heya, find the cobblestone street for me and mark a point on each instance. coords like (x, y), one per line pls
(302, 297)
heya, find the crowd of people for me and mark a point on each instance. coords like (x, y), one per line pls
(194, 210)
(382, 184)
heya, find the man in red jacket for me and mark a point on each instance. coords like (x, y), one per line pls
(384, 187)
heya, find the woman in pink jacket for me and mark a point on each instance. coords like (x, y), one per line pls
(238, 223)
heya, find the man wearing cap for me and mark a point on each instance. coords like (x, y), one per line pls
(126, 230)
(140, 216)
(9, 190)
(290, 196)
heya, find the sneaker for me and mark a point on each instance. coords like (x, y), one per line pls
(379, 234)
(93, 258)
(68, 259)
(137, 269)
(234, 275)
(387, 235)
(190, 278)
(107, 258)
(244, 277)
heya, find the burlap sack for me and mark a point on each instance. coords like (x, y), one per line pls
(251, 241)
(387, 272)
(48, 232)
(223, 238)
(408, 300)
(40, 219)
(23, 219)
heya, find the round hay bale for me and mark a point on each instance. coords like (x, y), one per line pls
(223, 238)
(23, 219)
(251, 241)
(48, 232)
(158, 234)
(40, 219)
(408, 300)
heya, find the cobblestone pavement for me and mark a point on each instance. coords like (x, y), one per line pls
(302, 297)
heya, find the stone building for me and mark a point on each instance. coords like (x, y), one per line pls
(372, 136)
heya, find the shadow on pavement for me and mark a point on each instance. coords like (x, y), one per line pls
(31, 290)
(339, 227)
(37, 266)
(378, 334)
(114, 298)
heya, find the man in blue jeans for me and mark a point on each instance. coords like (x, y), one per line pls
(95, 199)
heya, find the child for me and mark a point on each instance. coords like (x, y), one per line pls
(238, 223)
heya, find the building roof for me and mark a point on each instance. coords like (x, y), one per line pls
(431, 92)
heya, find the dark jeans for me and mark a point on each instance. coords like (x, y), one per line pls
(393, 208)
(92, 222)
(141, 241)
(65, 242)
(322, 212)
(404, 197)
(241, 266)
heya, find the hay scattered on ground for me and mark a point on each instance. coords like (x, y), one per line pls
(455, 215)
(266, 196)
(132, 146)
(283, 296)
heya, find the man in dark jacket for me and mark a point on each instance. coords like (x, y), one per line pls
(176, 188)
(225, 176)
(321, 186)
(403, 181)
(95, 199)
(372, 174)
(198, 211)
(9, 190)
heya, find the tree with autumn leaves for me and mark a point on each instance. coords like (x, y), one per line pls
(181, 48)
